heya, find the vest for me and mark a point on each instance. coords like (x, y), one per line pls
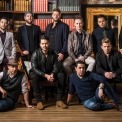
(12, 85)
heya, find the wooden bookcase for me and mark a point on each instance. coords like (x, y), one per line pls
(41, 9)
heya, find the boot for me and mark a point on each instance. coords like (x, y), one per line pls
(61, 104)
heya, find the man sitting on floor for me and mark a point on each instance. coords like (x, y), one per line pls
(12, 82)
(85, 84)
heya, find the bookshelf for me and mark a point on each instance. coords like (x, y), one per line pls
(41, 9)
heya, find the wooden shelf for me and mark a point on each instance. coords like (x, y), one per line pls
(2, 11)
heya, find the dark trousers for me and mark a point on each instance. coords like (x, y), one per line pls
(36, 82)
(6, 104)
(95, 103)
(3, 64)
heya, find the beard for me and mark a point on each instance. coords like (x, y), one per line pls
(28, 21)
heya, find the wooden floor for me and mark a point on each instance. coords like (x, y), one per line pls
(75, 113)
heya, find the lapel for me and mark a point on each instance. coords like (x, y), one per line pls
(6, 38)
(103, 59)
(25, 34)
(1, 44)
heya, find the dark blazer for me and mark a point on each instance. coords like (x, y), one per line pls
(120, 39)
(102, 66)
(62, 32)
(23, 37)
(97, 37)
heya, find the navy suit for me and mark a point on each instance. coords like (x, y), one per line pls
(23, 37)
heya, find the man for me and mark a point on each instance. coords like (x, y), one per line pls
(12, 83)
(102, 32)
(7, 44)
(79, 47)
(28, 38)
(109, 62)
(57, 31)
(45, 67)
(120, 41)
(91, 94)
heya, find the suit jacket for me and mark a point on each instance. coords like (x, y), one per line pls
(23, 37)
(120, 39)
(8, 48)
(102, 66)
(73, 44)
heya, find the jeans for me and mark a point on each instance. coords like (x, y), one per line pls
(6, 104)
(36, 81)
(95, 103)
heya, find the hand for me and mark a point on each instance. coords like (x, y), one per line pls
(51, 77)
(47, 77)
(108, 75)
(82, 58)
(25, 52)
(76, 60)
(60, 57)
(4, 93)
(120, 51)
(100, 94)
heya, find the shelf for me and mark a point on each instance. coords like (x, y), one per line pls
(2, 11)
(19, 12)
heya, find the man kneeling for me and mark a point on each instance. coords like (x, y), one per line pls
(91, 94)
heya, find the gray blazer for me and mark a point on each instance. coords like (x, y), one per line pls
(73, 44)
(8, 48)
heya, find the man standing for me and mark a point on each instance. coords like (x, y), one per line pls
(45, 67)
(109, 62)
(57, 31)
(7, 44)
(102, 32)
(120, 41)
(91, 95)
(12, 83)
(28, 38)
(79, 47)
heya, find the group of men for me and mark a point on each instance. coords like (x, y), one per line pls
(53, 55)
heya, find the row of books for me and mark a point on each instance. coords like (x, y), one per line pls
(40, 6)
(22, 5)
(44, 22)
(68, 5)
(6, 5)
(17, 24)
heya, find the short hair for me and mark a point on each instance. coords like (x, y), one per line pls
(114, 22)
(78, 17)
(101, 16)
(4, 18)
(79, 62)
(57, 9)
(43, 37)
(105, 40)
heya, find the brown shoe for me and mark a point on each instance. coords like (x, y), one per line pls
(61, 104)
(40, 106)
(119, 107)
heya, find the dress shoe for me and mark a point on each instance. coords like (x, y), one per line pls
(61, 104)
(40, 106)
(119, 107)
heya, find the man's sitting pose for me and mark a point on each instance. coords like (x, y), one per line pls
(91, 95)
(45, 67)
(79, 47)
(109, 62)
(12, 83)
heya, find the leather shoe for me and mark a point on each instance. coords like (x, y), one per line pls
(40, 106)
(61, 104)
(119, 107)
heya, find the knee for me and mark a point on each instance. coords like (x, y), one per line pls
(92, 106)
(65, 64)
(92, 61)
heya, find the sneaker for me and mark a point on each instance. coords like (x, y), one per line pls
(61, 104)
(40, 106)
